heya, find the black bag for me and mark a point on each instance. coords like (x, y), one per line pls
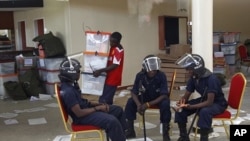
(52, 45)
(31, 83)
(15, 90)
(222, 78)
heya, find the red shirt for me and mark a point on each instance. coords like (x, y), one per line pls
(116, 56)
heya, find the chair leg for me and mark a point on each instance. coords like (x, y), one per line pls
(240, 65)
(226, 128)
(196, 132)
(73, 136)
(107, 137)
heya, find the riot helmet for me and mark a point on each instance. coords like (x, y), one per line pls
(151, 62)
(193, 62)
(69, 70)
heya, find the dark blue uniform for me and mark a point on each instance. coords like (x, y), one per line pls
(113, 122)
(203, 86)
(153, 88)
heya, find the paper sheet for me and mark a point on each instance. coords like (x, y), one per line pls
(37, 121)
(10, 121)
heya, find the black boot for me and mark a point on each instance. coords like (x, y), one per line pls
(130, 133)
(183, 132)
(165, 132)
(204, 134)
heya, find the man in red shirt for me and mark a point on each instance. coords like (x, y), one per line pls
(113, 70)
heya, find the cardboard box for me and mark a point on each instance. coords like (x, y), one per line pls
(218, 54)
(177, 50)
(219, 61)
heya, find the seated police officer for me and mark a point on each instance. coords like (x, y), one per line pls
(211, 102)
(108, 117)
(150, 88)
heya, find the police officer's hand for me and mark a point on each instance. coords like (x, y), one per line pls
(141, 108)
(103, 108)
(181, 104)
(95, 104)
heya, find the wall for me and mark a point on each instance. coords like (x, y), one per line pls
(232, 15)
(138, 40)
(69, 20)
(54, 15)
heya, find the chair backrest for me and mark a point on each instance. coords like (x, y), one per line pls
(236, 91)
(243, 51)
(63, 111)
(172, 83)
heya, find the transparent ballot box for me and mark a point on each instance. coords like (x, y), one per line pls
(94, 61)
(97, 42)
(92, 85)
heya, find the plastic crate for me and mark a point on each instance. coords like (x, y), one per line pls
(230, 59)
(216, 38)
(221, 70)
(26, 62)
(228, 48)
(7, 68)
(50, 88)
(50, 76)
(231, 37)
(50, 63)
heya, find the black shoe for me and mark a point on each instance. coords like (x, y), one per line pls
(166, 138)
(130, 134)
(183, 139)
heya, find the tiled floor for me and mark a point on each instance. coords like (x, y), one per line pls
(39, 120)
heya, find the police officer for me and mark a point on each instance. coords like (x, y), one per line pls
(150, 88)
(211, 102)
(108, 117)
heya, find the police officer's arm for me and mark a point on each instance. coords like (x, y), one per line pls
(135, 98)
(157, 100)
(209, 101)
(86, 111)
(186, 96)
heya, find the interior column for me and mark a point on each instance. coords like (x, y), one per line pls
(202, 30)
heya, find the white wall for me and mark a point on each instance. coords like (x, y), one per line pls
(54, 16)
(138, 40)
(232, 15)
(69, 20)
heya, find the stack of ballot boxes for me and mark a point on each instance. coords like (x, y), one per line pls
(219, 64)
(7, 73)
(95, 57)
(48, 73)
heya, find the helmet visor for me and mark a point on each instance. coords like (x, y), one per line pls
(151, 63)
(186, 60)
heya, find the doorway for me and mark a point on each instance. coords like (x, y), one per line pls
(172, 30)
